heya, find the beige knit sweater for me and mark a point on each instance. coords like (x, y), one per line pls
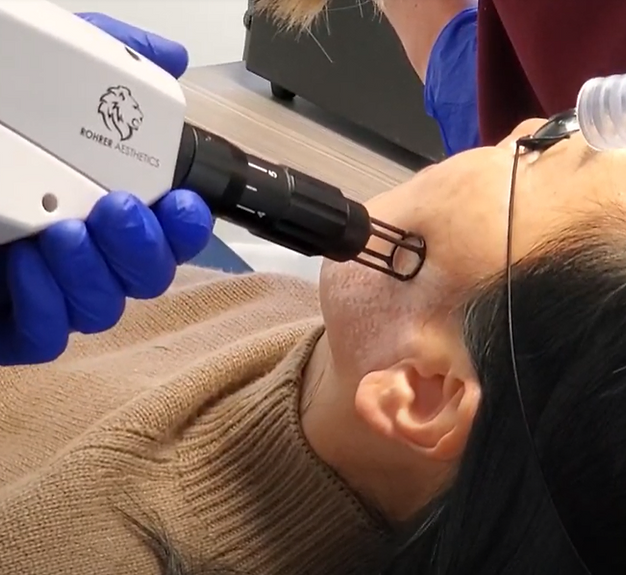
(183, 420)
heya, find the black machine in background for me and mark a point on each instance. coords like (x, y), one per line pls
(352, 65)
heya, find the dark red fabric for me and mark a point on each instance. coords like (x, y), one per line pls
(534, 55)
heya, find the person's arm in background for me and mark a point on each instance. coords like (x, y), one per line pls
(439, 38)
(450, 86)
(76, 276)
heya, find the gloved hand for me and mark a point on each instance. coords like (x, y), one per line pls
(76, 276)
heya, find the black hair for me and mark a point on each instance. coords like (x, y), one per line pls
(568, 310)
(169, 558)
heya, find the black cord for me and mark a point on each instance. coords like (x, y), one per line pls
(538, 145)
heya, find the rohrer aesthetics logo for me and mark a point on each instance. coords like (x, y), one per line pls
(120, 112)
(122, 116)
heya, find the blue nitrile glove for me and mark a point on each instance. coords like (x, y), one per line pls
(450, 88)
(76, 276)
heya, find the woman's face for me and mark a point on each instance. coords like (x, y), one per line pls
(460, 207)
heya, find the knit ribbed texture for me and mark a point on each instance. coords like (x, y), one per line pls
(184, 418)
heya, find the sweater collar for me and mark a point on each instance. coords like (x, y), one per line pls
(250, 472)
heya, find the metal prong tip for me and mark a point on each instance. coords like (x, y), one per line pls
(403, 260)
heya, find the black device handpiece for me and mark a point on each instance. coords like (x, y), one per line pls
(285, 206)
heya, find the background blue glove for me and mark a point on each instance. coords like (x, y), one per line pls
(450, 88)
(76, 276)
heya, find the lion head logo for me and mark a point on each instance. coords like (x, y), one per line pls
(120, 112)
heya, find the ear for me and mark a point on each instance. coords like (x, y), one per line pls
(432, 413)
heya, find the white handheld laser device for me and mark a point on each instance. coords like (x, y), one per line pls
(81, 114)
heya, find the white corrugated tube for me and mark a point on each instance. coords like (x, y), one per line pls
(601, 111)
